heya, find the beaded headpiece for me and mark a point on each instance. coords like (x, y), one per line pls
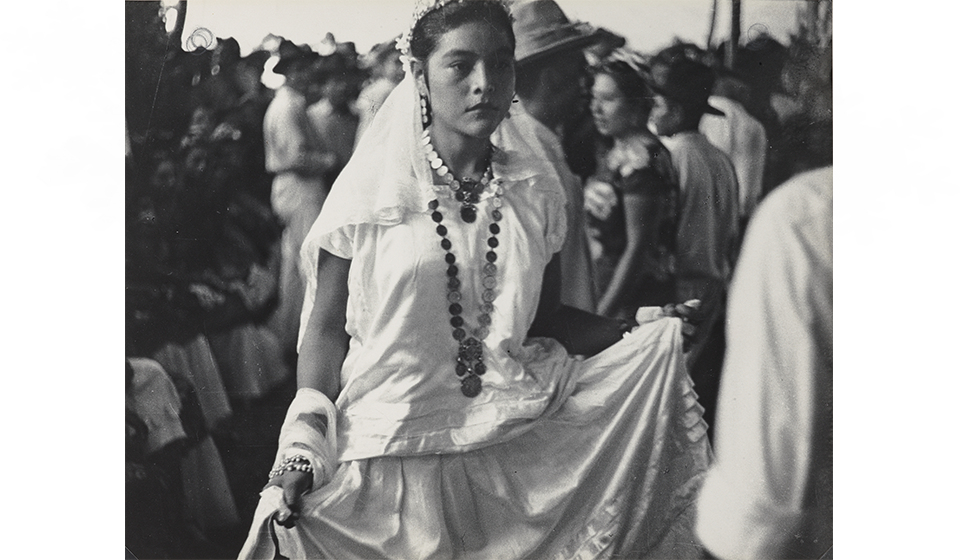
(424, 7)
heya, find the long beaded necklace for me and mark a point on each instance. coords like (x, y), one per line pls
(469, 366)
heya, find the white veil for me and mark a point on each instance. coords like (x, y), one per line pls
(388, 177)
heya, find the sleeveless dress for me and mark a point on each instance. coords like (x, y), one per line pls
(557, 457)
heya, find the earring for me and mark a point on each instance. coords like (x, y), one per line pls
(424, 111)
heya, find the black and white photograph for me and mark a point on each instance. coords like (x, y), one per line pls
(478, 279)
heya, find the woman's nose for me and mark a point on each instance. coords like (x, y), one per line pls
(481, 78)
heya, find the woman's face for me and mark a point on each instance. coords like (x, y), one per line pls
(469, 79)
(613, 113)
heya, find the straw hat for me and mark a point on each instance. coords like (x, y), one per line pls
(542, 29)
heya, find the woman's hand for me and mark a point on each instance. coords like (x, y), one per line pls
(294, 484)
(599, 199)
(689, 313)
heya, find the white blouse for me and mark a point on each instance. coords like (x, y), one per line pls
(400, 393)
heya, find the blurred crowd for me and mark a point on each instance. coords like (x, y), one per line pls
(225, 176)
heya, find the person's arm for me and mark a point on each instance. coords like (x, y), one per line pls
(580, 332)
(322, 352)
(642, 219)
(325, 339)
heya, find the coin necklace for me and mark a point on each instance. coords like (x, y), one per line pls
(469, 366)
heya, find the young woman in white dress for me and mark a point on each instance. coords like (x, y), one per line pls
(449, 406)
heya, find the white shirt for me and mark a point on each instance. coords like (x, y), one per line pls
(400, 394)
(744, 140)
(707, 222)
(576, 285)
(290, 143)
(288, 138)
(774, 420)
(156, 402)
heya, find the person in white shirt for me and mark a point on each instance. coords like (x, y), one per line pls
(334, 117)
(293, 155)
(386, 72)
(741, 137)
(770, 492)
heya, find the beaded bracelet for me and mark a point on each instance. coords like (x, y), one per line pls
(294, 463)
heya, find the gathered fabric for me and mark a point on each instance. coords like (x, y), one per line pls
(611, 470)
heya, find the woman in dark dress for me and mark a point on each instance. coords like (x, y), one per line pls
(631, 201)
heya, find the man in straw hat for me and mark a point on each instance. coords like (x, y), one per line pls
(551, 66)
(707, 226)
(551, 72)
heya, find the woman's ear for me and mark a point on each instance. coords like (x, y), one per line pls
(419, 71)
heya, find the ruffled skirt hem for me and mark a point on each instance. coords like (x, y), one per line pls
(614, 471)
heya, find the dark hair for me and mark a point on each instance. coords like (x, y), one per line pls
(632, 83)
(428, 30)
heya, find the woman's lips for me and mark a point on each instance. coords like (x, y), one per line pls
(482, 107)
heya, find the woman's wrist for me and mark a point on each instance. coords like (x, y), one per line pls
(299, 463)
(308, 436)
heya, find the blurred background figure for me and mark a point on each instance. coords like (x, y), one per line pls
(632, 200)
(155, 527)
(386, 71)
(551, 83)
(708, 216)
(806, 108)
(738, 135)
(218, 88)
(334, 117)
(760, 64)
(247, 116)
(293, 153)
(243, 265)
(770, 493)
